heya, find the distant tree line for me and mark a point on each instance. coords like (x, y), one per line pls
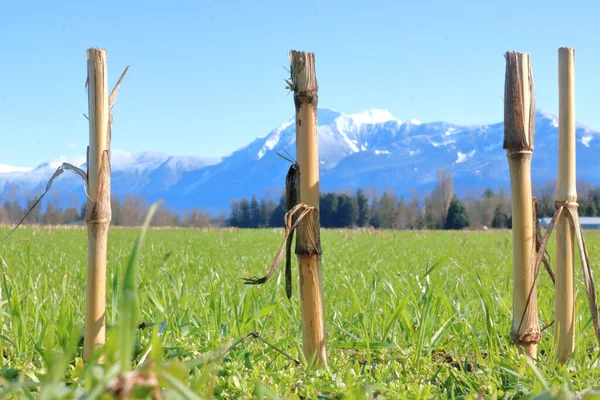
(588, 198)
(440, 209)
(130, 212)
(11, 212)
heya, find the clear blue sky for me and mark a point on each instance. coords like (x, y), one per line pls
(206, 77)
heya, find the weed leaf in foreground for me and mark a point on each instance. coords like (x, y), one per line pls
(128, 301)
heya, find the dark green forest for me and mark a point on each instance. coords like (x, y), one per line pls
(440, 209)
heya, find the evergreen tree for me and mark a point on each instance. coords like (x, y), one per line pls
(364, 212)
(384, 215)
(276, 219)
(254, 213)
(500, 220)
(374, 221)
(328, 205)
(457, 215)
(244, 221)
(347, 212)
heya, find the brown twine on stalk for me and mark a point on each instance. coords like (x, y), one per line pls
(290, 226)
(588, 277)
(309, 242)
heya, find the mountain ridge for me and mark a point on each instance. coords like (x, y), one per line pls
(367, 149)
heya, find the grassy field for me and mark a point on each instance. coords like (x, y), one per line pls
(409, 315)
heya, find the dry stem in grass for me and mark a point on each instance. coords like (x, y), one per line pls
(308, 242)
(566, 220)
(519, 127)
(566, 192)
(98, 209)
(97, 188)
(302, 187)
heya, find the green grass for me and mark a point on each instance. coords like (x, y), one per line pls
(409, 315)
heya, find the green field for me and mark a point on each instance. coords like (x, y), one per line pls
(409, 315)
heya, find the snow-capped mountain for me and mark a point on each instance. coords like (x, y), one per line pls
(369, 149)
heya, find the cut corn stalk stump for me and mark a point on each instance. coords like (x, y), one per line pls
(308, 242)
(519, 128)
(302, 192)
(97, 189)
(566, 192)
(98, 209)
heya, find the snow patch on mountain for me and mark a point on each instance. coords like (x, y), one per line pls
(462, 157)
(371, 117)
(586, 140)
(57, 162)
(552, 119)
(354, 122)
(443, 143)
(273, 139)
(136, 161)
(450, 131)
(349, 142)
(189, 163)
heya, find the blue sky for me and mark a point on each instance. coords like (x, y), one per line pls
(206, 77)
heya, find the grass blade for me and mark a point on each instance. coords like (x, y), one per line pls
(128, 302)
